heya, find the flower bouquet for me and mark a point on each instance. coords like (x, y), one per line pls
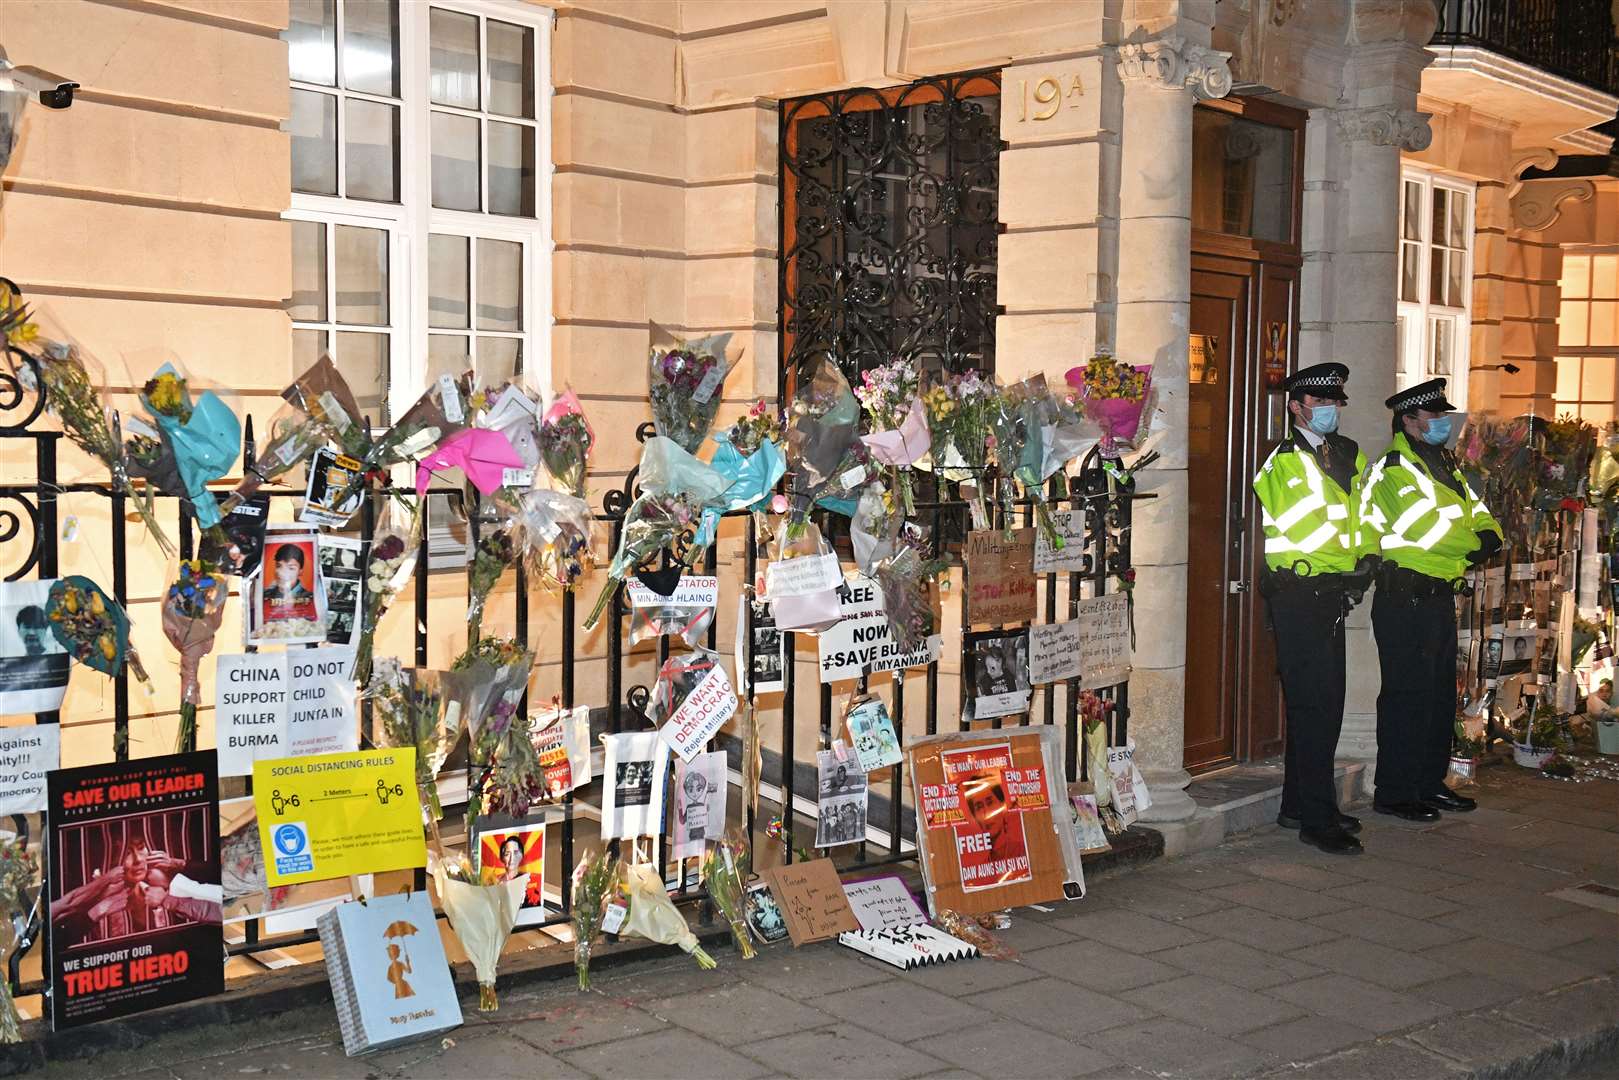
(201, 438)
(552, 536)
(324, 396)
(388, 566)
(594, 880)
(667, 468)
(725, 867)
(850, 479)
(654, 917)
(748, 457)
(653, 522)
(910, 597)
(410, 703)
(18, 871)
(91, 626)
(192, 610)
(70, 389)
(959, 414)
(874, 529)
(1114, 396)
(495, 552)
(823, 419)
(565, 443)
(686, 378)
(482, 917)
(891, 396)
(1020, 423)
(294, 438)
(514, 413)
(484, 685)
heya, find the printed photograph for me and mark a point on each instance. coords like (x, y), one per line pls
(999, 662)
(633, 784)
(287, 606)
(763, 914)
(1518, 651)
(242, 530)
(990, 844)
(33, 664)
(516, 853)
(842, 805)
(765, 650)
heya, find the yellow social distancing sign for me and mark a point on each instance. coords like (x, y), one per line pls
(335, 815)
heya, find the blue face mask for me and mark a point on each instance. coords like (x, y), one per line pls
(1437, 433)
(1323, 419)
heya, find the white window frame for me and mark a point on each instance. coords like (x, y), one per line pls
(1419, 316)
(413, 218)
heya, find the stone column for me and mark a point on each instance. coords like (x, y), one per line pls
(1161, 77)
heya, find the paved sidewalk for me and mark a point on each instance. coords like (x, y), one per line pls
(1443, 951)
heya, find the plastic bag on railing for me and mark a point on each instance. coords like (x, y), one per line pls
(804, 583)
(823, 419)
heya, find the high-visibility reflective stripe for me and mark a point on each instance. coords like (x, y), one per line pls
(1428, 503)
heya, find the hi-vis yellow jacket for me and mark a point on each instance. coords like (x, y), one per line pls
(1310, 523)
(1416, 522)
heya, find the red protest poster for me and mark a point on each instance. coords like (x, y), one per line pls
(991, 848)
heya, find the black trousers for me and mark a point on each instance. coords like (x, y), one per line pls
(1307, 616)
(1414, 618)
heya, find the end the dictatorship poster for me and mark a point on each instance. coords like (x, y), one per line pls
(135, 896)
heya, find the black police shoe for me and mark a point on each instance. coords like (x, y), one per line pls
(1333, 840)
(1347, 822)
(1448, 800)
(1410, 811)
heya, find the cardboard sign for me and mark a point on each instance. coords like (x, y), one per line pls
(1071, 557)
(861, 643)
(1104, 642)
(811, 897)
(134, 887)
(690, 592)
(274, 705)
(1055, 652)
(700, 717)
(881, 903)
(336, 815)
(27, 754)
(1000, 577)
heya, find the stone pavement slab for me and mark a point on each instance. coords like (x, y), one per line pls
(1213, 1006)
(1143, 933)
(1171, 1048)
(1306, 1038)
(1099, 966)
(1357, 1002)
(1238, 964)
(678, 1055)
(1009, 1049)
(1380, 964)
(842, 1050)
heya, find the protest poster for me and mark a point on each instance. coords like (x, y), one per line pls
(134, 885)
(686, 613)
(1121, 763)
(760, 656)
(33, 664)
(562, 743)
(880, 903)
(274, 705)
(998, 672)
(811, 899)
(700, 790)
(1104, 640)
(515, 851)
(1000, 576)
(861, 643)
(871, 730)
(320, 702)
(27, 754)
(701, 715)
(1070, 558)
(238, 544)
(285, 606)
(633, 773)
(330, 474)
(1054, 652)
(342, 575)
(990, 832)
(247, 895)
(334, 815)
(841, 808)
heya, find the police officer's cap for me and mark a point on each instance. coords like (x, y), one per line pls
(1429, 395)
(1319, 380)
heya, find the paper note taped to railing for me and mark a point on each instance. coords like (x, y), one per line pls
(1070, 558)
(1104, 640)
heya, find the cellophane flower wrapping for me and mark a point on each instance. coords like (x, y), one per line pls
(324, 396)
(1025, 416)
(513, 411)
(653, 521)
(910, 591)
(891, 396)
(389, 565)
(751, 463)
(874, 529)
(202, 438)
(19, 871)
(92, 627)
(410, 704)
(485, 685)
(293, 439)
(823, 419)
(444, 409)
(654, 917)
(1567, 446)
(725, 870)
(565, 443)
(192, 609)
(1499, 459)
(1115, 396)
(552, 533)
(686, 380)
(494, 553)
(594, 880)
(482, 917)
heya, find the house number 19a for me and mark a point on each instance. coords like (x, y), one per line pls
(1048, 97)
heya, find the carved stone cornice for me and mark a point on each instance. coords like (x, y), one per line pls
(1383, 125)
(1539, 203)
(1173, 64)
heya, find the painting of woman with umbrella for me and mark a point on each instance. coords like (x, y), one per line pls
(398, 959)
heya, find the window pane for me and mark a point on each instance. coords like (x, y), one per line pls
(1605, 276)
(371, 46)
(446, 355)
(362, 275)
(1600, 415)
(453, 39)
(312, 41)
(1576, 275)
(511, 69)
(1441, 199)
(308, 300)
(1602, 323)
(363, 361)
(314, 142)
(371, 142)
(1568, 378)
(1436, 276)
(1597, 378)
(1411, 212)
(1454, 296)
(1459, 223)
(500, 285)
(1571, 322)
(307, 345)
(511, 169)
(499, 359)
(1444, 344)
(447, 280)
(1410, 272)
(455, 162)
(1242, 176)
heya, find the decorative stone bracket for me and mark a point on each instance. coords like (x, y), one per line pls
(1381, 125)
(1169, 62)
(1538, 203)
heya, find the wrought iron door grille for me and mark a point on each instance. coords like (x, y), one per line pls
(889, 216)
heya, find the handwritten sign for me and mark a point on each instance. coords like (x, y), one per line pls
(811, 897)
(883, 902)
(860, 642)
(700, 717)
(1104, 640)
(1071, 557)
(1000, 576)
(1054, 652)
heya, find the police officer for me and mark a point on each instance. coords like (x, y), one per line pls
(1419, 514)
(1309, 492)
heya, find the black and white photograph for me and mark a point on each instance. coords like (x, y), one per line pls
(238, 544)
(343, 577)
(634, 772)
(33, 664)
(1518, 651)
(763, 914)
(999, 672)
(842, 802)
(765, 650)
(632, 786)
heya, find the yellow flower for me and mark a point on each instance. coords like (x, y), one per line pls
(109, 648)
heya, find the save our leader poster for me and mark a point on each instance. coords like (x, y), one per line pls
(134, 886)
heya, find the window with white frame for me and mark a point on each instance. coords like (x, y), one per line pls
(1588, 335)
(1436, 281)
(421, 192)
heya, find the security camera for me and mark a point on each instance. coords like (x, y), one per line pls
(51, 91)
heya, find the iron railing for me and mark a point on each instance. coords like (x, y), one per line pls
(1571, 38)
